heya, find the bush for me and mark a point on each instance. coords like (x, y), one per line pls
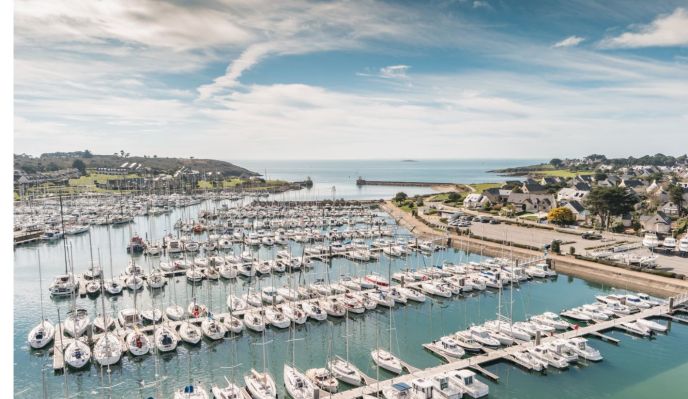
(556, 246)
(572, 250)
(618, 227)
(401, 196)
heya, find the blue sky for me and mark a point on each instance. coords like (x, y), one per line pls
(352, 79)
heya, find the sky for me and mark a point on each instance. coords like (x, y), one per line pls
(265, 79)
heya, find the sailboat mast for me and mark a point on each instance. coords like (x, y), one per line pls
(40, 284)
(64, 238)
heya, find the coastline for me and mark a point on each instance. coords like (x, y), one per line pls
(596, 272)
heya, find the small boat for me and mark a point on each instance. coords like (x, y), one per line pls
(134, 282)
(197, 310)
(76, 323)
(253, 320)
(193, 391)
(92, 288)
(637, 328)
(232, 324)
(104, 323)
(669, 243)
(108, 350)
(466, 341)
(294, 314)
(323, 379)
(576, 314)
(549, 357)
(387, 361)
(194, 275)
(553, 320)
(190, 333)
(129, 318)
(376, 279)
(483, 336)
(313, 310)
(276, 318)
(270, 296)
(650, 240)
(155, 280)
(231, 391)
(174, 312)
(113, 287)
(63, 285)
(412, 294)
(77, 354)
(529, 360)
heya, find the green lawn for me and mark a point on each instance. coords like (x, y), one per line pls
(439, 197)
(92, 178)
(480, 187)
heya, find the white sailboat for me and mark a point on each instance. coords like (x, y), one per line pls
(343, 369)
(261, 385)
(44, 332)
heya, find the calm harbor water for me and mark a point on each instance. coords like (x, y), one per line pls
(342, 174)
(635, 369)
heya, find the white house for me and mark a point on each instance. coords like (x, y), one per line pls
(473, 201)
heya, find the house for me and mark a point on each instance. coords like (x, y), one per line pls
(659, 222)
(582, 186)
(571, 194)
(670, 209)
(578, 210)
(473, 201)
(550, 180)
(634, 184)
(584, 179)
(525, 202)
(532, 187)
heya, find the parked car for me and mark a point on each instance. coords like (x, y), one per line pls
(591, 235)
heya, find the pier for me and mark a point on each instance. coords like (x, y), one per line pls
(476, 362)
(363, 182)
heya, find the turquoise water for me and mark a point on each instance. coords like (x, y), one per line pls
(635, 369)
(343, 174)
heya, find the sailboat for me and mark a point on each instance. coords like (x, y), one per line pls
(260, 385)
(44, 332)
(232, 390)
(343, 369)
(383, 358)
(112, 286)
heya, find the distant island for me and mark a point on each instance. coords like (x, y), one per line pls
(408, 160)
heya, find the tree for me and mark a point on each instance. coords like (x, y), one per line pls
(88, 154)
(121, 153)
(556, 162)
(599, 176)
(606, 202)
(454, 196)
(79, 164)
(676, 196)
(401, 196)
(561, 216)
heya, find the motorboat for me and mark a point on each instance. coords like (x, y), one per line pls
(683, 244)
(77, 354)
(465, 340)
(190, 333)
(580, 346)
(447, 346)
(41, 335)
(108, 350)
(297, 385)
(529, 360)
(576, 314)
(469, 384)
(551, 358)
(213, 329)
(669, 243)
(165, 338)
(553, 320)
(63, 285)
(192, 391)
(483, 336)
(387, 361)
(652, 325)
(137, 343)
(560, 347)
(650, 240)
(632, 300)
(260, 385)
(637, 328)
(323, 379)
(345, 371)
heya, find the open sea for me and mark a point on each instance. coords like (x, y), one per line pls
(637, 368)
(342, 175)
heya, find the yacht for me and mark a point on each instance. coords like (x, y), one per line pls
(313, 310)
(232, 324)
(345, 371)
(174, 312)
(165, 338)
(63, 285)
(580, 346)
(213, 329)
(531, 361)
(260, 385)
(323, 379)
(483, 337)
(108, 350)
(387, 361)
(76, 323)
(190, 333)
(448, 347)
(652, 325)
(297, 385)
(253, 320)
(77, 354)
(231, 391)
(276, 318)
(192, 391)
(549, 357)
(41, 335)
(468, 383)
(137, 343)
(465, 340)
(669, 243)
(551, 319)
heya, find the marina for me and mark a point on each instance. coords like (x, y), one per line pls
(395, 259)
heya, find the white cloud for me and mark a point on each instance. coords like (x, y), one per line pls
(481, 4)
(664, 31)
(570, 41)
(394, 72)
